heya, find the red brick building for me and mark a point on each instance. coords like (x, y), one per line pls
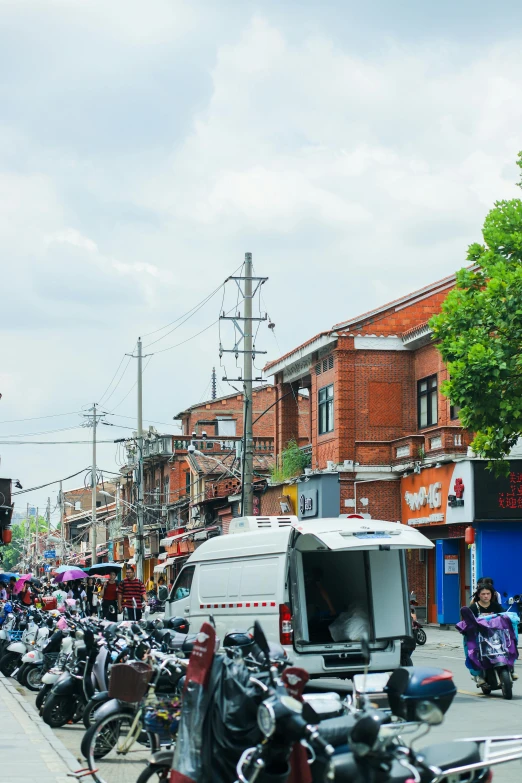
(376, 407)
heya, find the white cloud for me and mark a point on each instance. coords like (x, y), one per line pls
(145, 147)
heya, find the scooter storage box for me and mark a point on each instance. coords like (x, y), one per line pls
(410, 685)
(49, 602)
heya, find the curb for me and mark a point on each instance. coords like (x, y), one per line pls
(50, 737)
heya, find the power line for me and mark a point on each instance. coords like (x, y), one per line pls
(33, 489)
(47, 442)
(36, 418)
(113, 377)
(192, 310)
(45, 432)
(133, 385)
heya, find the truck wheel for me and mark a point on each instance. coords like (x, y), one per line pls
(506, 683)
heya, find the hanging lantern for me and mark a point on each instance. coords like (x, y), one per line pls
(469, 535)
(7, 535)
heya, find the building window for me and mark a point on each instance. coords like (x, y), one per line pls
(454, 411)
(226, 427)
(326, 409)
(77, 505)
(427, 401)
(187, 482)
(98, 503)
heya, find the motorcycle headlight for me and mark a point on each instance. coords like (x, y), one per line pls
(266, 718)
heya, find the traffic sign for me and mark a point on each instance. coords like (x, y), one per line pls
(50, 553)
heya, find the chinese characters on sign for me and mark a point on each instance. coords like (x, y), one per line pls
(451, 564)
(512, 498)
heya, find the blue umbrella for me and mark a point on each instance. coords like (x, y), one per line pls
(63, 568)
(6, 576)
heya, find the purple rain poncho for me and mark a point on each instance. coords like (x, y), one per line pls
(489, 641)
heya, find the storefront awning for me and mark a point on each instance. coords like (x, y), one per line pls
(168, 541)
(132, 561)
(160, 568)
(163, 556)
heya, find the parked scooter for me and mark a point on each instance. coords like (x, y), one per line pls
(419, 633)
(11, 661)
(66, 645)
(67, 699)
(38, 661)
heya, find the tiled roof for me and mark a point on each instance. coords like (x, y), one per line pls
(445, 282)
(218, 399)
(203, 464)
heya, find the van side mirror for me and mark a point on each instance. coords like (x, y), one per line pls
(260, 640)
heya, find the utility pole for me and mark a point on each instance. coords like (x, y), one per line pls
(48, 516)
(248, 456)
(62, 530)
(27, 534)
(92, 420)
(33, 561)
(139, 536)
(249, 352)
(140, 510)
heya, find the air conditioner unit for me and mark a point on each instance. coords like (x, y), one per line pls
(331, 465)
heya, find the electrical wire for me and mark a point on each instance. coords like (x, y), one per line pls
(133, 386)
(195, 308)
(150, 421)
(120, 378)
(44, 432)
(114, 376)
(48, 442)
(36, 418)
(50, 483)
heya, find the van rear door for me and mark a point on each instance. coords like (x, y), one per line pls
(377, 560)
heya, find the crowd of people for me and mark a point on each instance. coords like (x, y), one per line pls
(94, 596)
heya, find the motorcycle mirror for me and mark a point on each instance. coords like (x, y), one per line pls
(260, 640)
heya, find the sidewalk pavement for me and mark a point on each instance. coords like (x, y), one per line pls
(438, 638)
(29, 750)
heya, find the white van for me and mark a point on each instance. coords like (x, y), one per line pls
(297, 578)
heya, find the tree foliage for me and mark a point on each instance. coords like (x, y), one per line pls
(480, 333)
(20, 531)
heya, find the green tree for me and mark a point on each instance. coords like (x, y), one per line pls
(480, 333)
(12, 553)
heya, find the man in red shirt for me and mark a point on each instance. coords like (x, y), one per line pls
(131, 595)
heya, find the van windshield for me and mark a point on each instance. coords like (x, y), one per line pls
(336, 597)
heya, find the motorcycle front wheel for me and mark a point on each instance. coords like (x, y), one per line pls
(33, 677)
(9, 662)
(42, 696)
(506, 683)
(420, 636)
(58, 710)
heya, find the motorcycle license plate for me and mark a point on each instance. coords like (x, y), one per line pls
(375, 683)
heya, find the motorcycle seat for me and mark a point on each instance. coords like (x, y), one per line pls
(450, 754)
(336, 730)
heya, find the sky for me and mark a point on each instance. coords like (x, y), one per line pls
(354, 149)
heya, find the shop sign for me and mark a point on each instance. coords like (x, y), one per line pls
(308, 504)
(498, 497)
(424, 497)
(451, 564)
(436, 495)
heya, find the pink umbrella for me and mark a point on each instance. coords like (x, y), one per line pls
(70, 575)
(19, 584)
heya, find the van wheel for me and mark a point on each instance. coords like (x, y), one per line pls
(506, 683)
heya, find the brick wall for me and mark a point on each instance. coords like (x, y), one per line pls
(384, 497)
(417, 574)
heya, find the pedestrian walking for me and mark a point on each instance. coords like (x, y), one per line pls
(131, 595)
(109, 596)
(89, 595)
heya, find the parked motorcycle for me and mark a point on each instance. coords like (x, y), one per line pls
(419, 633)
